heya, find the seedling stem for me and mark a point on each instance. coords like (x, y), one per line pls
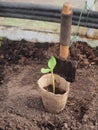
(51, 66)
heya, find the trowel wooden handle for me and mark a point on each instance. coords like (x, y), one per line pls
(65, 32)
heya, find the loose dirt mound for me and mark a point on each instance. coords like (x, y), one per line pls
(84, 54)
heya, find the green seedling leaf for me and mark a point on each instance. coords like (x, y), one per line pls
(52, 63)
(45, 70)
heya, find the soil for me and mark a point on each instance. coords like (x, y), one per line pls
(84, 54)
(21, 107)
(49, 88)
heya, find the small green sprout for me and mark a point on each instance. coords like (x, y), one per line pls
(51, 66)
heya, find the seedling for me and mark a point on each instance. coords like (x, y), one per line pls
(51, 66)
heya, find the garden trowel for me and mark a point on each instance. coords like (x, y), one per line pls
(65, 67)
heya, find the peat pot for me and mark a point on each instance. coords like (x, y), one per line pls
(53, 103)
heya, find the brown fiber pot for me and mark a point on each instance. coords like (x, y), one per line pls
(53, 102)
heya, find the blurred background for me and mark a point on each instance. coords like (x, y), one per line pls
(42, 26)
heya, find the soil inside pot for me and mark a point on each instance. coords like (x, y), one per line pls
(57, 90)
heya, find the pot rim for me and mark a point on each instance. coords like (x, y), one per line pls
(54, 93)
(67, 91)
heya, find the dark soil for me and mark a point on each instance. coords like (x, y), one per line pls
(21, 107)
(49, 88)
(84, 54)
